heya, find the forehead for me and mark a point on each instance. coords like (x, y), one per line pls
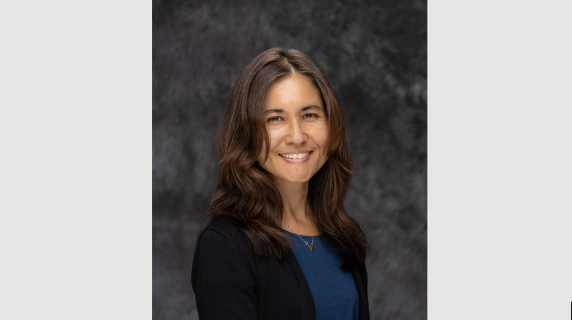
(292, 91)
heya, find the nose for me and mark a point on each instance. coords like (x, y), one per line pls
(296, 134)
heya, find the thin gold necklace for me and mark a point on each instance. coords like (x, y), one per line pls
(309, 246)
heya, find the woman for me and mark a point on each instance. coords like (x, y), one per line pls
(278, 243)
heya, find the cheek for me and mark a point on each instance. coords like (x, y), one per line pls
(322, 137)
(325, 138)
(274, 138)
(263, 149)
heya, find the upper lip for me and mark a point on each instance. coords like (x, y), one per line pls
(296, 152)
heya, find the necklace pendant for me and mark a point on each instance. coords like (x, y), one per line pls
(311, 247)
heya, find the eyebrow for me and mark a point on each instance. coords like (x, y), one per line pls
(303, 109)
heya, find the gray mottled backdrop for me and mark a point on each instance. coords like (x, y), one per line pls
(375, 55)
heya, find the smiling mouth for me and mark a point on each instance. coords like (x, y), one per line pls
(294, 155)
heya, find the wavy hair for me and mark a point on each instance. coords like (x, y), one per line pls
(248, 194)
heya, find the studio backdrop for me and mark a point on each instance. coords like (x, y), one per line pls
(374, 53)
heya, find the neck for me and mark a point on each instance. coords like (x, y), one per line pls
(297, 217)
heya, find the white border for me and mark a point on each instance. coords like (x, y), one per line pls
(500, 160)
(75, 180)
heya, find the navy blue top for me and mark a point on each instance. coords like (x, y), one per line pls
(333, 289)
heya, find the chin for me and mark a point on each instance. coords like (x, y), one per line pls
(297, 179)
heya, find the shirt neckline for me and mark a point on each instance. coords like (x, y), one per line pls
(316, 237)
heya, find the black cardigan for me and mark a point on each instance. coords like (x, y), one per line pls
(231, 282)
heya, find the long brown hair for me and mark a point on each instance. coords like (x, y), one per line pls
(247, 193)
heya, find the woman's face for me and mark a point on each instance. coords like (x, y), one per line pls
(297, 127)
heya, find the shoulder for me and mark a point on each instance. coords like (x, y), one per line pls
(224, 228)
(221, 241)
(223, 225)
(223, 267)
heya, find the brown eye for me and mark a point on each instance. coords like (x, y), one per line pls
(310, 115)
(273, 119)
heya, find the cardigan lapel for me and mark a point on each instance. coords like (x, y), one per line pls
(306, 299)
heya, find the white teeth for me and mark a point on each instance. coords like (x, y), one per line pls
(294, 156)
